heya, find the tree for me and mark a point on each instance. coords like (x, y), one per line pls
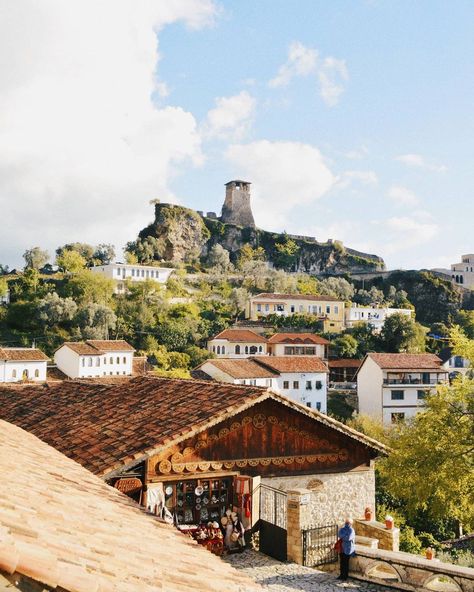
(238, 300)
(95, 321)
(85, 250)
(104, 254)
(431, 466)
(248, 253)
(3, 287)
(219, 258)
(365, 337)
(286, 253)
(282, 282)
(337, 288)
(345, 346)
(87, 286)
(70, 261)
(465, 319)
(35, 258)
(401, 333)
(53, 310)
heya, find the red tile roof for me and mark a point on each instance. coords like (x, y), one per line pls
(345, 363)
(242, 335)
(312, 297)
(22, 354)
(98, 347)
(64, 527)
(105, 427)
(406, 361)
(82, 348)
(242, 368)
(284, 364)
(296, 338)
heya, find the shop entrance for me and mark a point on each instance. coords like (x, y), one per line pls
(272, 523)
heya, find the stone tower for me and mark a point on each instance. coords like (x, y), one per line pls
(236, 209)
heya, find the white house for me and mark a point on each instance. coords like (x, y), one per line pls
(122, 272)
(298, 344)
(463, 273)
(95, 358)
(392, 387)
(372, 315)
(237, 343)
(454, 364)
(239, 371)
(22, 363)
(302, 378)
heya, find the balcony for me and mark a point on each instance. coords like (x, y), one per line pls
(415, 381)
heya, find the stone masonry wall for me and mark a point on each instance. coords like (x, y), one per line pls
(333, 495)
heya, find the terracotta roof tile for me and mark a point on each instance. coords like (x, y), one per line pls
(23, 354)
(297, 338)
(312, 297)
(407, 361)
(293, 363)
(82, 348)
(64, 527)
(244, 368)
(105, 427)
(345, 363)
(240, 335)
(107, 345)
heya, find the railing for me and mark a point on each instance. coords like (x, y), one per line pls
(318, 545)
(343, 386)
(419, 381)
(272, 505)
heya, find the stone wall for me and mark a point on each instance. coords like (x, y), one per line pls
(388, 539)
(333, 495)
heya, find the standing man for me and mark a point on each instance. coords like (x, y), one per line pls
(347, 536)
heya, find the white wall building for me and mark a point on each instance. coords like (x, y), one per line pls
(463, 273)
(5, 298)
(392, 387)
(22, 363)
(95, 358)
(302, 378)
(372, 315)
(237, 343)
(298, 344)
(123, 272)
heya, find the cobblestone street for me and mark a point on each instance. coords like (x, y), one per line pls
(288, 577)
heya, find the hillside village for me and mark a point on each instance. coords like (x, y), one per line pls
(222, 372)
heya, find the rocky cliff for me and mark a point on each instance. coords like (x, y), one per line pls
(181, 234)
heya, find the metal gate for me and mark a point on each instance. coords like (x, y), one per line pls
(318, 545)
(272, 523)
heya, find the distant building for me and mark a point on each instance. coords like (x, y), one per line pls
(22, 363)
(454, 364)
(123, 272)
(236, 209)
(298, 344)
(393, 387)
(372, 315)
(463, 273)
(326, 308)
(302, 378)
(342, 373)
(237, 343)
(95, 358)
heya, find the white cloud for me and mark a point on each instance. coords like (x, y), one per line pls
(285, 175)
(347, 178)
(358, 153)
(418, 161)
(403, 196)
(232, 116)
(301, 62)
(331, 73)
(82, 146)
(405, 232)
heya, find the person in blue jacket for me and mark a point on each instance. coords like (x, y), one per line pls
(347, 536)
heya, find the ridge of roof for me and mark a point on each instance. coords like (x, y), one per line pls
(297, 338)
(241, 367)
(279, 296)
(25, 354)
(240, 335)
(283, 364)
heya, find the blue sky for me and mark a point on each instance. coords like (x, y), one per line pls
(353, 120)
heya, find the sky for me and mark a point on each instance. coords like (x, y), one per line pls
(353, 120)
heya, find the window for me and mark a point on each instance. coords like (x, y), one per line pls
(308, 404)
(111, 360)
(301, 308)
(397, 417)
(309, 386)
(25, 374)
(133, 273)
(289, 351)
(310, 351)
(296, 384)
(260, 349)
(421, 394)
(328, 309)
(292, 308)
(147, 273)
(253, 381)
(37, 373)
(318, 406)
(268, 382)
(124, 360)
(267, 307)
(105, 360)
(117, 360)
(253, 349)
(259, 307)
(89, 361)
(397, 395)
(97, 361)
(336, 309)
(279, 307)
(218, 350)
(286, 384)
(319, 385)
(83, 361)
(143, 273)
(246, 349)
(314, 309)
(213, 349)
(13, 373)
(237, 349)
(223, 349)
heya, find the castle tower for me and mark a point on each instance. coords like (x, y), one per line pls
(236, 208)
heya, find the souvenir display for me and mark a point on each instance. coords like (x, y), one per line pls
(199, 490)
(196, 501)
(169, 490)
